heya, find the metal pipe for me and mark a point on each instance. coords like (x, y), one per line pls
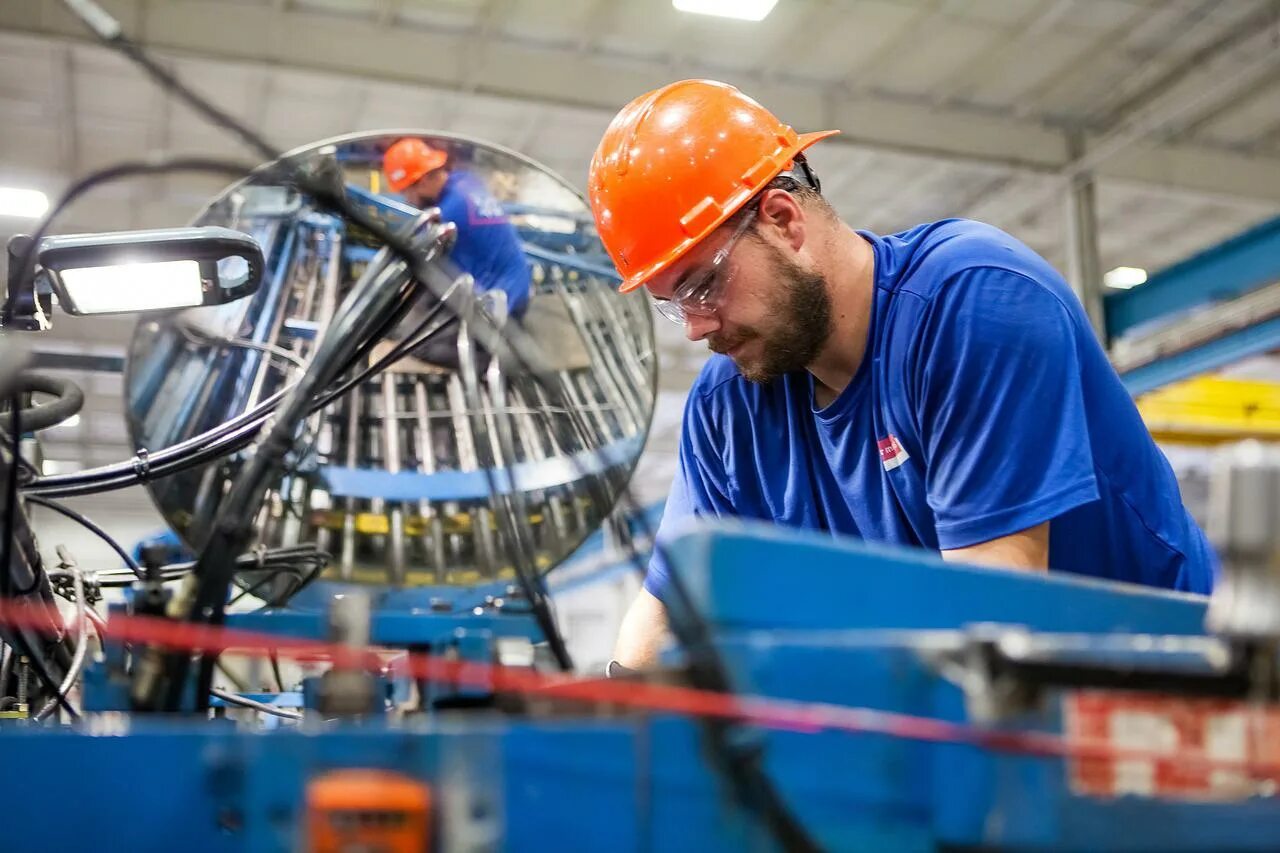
(346, 562)
(432, 529)
(391, 463)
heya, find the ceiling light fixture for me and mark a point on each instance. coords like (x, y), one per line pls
(745, 10)
(27, 204)
(1123, 278)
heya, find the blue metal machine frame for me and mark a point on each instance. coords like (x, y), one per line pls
(642, 783)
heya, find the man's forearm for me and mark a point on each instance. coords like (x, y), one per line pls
(1026, 549)
(643, 633)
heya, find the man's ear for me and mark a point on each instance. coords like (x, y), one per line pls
(782, 215)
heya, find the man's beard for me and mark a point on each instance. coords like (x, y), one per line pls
(801, 311)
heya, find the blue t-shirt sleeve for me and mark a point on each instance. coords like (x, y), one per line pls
(1001, 408)
(699, 488)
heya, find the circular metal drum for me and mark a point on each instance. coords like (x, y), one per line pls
(396, 480)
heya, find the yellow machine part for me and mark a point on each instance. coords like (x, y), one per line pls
(1213, 410)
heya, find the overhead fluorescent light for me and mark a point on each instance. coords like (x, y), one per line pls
(1123, 278)
(122, 288)
(746, 10)
(73, 421)
(28, 204)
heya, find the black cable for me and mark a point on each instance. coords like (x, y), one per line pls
(9, 534)
(275, 669)
(226, 438)
(83, 521)
(69, 399)
(375, 292)
(11, 491)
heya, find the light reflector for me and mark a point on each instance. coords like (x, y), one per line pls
(133, 287)
(746, 10)
(27, 204)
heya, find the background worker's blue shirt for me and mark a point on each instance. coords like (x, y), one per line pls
(488, 246)
(984, 405)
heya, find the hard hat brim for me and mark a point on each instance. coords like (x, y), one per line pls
(734, 204)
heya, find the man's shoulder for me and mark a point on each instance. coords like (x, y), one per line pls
(941, 252)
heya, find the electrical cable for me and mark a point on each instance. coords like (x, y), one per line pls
(69, 399)
(11, 491)
(245, 702)
(7, 538)
(275, 670)
(83, 521)
(199, 337)
(228, 437)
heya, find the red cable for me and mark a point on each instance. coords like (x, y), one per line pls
(768, 712)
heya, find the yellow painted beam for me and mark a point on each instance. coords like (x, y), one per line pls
(1213, 410)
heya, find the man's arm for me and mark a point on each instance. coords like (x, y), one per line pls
(999, 396)
(643, 632)
(1027, 549)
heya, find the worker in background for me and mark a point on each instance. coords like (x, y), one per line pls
(940, 387)
(487, 244)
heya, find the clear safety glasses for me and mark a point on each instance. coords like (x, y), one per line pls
(700, 290)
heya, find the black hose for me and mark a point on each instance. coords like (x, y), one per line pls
(93, 528)
(69, 399)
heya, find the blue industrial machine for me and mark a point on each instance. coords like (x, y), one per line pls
(827, 695)
(397, 514)
(890, 630)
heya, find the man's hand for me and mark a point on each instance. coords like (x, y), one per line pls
(643, 632)
(1026, 549)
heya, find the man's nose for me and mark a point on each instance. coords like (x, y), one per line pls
(697, 327)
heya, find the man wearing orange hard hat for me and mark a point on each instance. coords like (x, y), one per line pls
(939, 388)
(487, 245)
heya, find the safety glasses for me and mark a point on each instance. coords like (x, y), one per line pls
(700, 290)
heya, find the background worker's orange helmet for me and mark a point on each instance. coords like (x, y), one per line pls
(408, 160)
(675, 164)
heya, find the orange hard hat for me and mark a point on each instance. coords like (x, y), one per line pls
(408, 160)
(676, 163)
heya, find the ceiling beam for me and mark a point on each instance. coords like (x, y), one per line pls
(796, 39)
(1246, 94)
(595, 23)
(1003, 45)
(527, 72)
(387, 12)
(1129, 95)
(1081, 62)
(1128, 147)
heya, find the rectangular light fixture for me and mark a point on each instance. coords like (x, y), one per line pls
(1123, 278)
(122, 288)
(745, 10)
(158, 270)
(26, 204)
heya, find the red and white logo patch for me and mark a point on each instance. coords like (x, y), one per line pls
(891, 452)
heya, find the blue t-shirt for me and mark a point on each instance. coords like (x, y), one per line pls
(488, 246)
(984, 405)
